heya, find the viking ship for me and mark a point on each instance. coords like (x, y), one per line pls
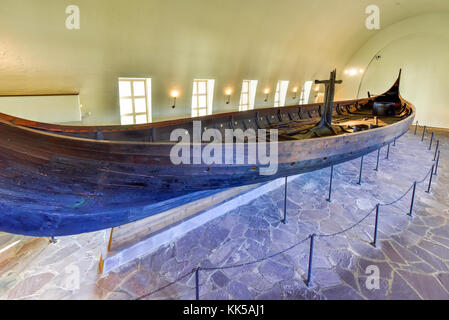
(58, 180)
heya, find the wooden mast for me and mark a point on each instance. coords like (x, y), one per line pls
(324, 127)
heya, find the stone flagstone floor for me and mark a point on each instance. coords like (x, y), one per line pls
(412, 254)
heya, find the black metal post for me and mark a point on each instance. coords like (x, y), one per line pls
(394, 142)
(309, 273)
(330, 184)
(431, 141)
(197, 283)
(361, 169)
(413, 199)
(388, 152)
(436, 150)
(423, 133)
(430, 180)
(377, 164)
(438, 162)
(376, 225)
(284, 221)
(416, 127)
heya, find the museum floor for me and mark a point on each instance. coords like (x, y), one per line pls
(412, 254)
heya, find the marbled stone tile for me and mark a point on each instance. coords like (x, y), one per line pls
(326, 277)
(442, 241)
(435, 248)
(31, 285)
(379, 292)
(427, 286)
(401, 290)
(274, 293)
(347, 277)
(217, 295)
(430, 258)
(442, 232)
(405, 253)
(342, 292)
(391, 253)
(385, 268)
(275, 272)
(238, 291)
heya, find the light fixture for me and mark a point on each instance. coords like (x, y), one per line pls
(353, 71)
(295, 91)
(228, 95)
(174, 94)
(267, 93)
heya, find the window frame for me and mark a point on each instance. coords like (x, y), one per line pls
(281, 93)
(133, 97)
(250, 93)
(305, 92)
(208, 95)
(242, 106)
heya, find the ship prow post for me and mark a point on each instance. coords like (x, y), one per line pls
(389, 103)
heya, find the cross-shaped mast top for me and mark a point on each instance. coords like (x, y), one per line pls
(324, 127)
(326, 119)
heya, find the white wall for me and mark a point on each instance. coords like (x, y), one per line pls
(176, 41)
(420, 46)
(54, 109)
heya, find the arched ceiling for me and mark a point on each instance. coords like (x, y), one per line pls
(175, 41)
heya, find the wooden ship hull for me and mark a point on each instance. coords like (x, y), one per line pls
(63, 180)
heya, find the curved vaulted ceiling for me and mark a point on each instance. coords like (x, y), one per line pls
(175, 41)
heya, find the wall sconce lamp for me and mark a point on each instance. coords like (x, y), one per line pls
(228, 93)
(267, 94)
(174, 94)
(295, 91)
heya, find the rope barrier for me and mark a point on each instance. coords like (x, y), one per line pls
(223, 268)
(258, 260)
(425, 178)
(397, 200)
(346, 230)
(291, 247)
(166, 286)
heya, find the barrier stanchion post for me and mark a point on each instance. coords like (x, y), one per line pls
(377, 164)
(197, 284)
(330, 184)
(309, 272)
(423, 133)
(361, 171)
(436, 150)
(416, 127)
(431, 141)
(388, 152)
(430, 179)
(394, 142)
(438, 162)
(413, 199)
(284, 220)
(374, 243)
(101, 265)
(110, 240)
